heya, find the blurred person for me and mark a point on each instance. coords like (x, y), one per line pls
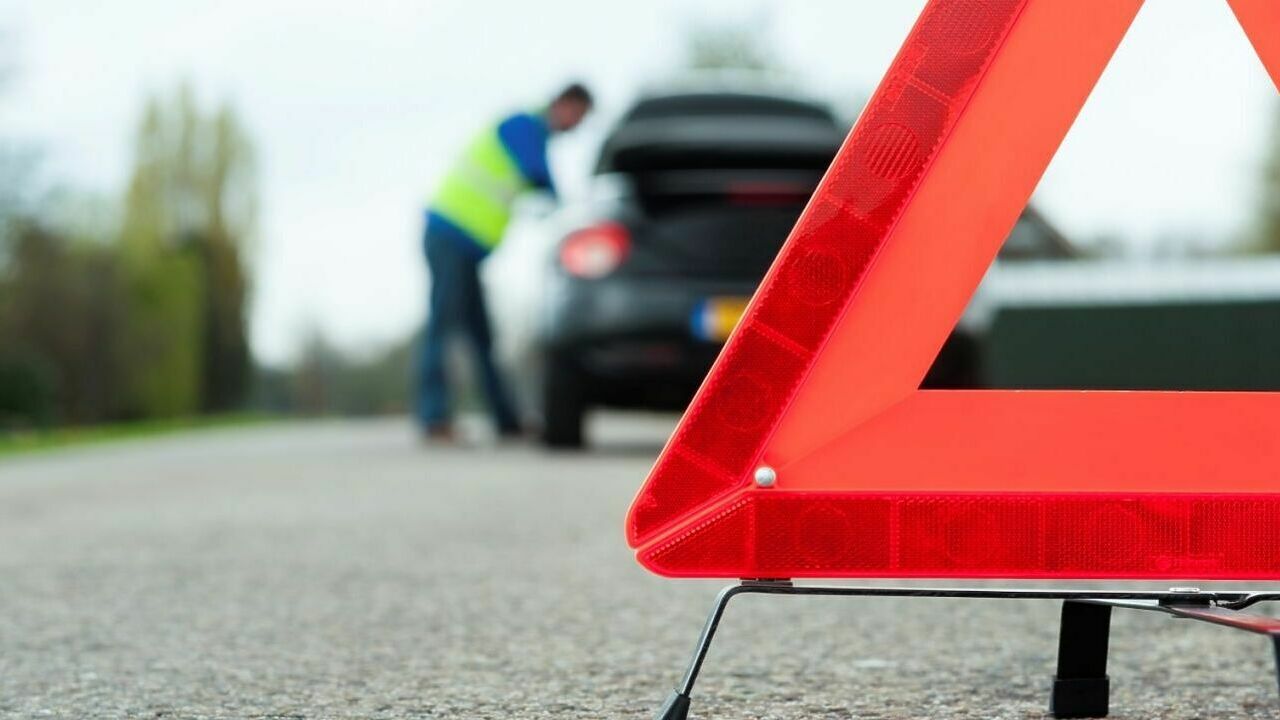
(465, 221)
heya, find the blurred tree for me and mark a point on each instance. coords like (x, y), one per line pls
(188, 220)
(16, 164)
(314, 375)
(28, 381)
(80, 216)
(115, 314)
(60, 320)
(325, 381)
(1269, 229)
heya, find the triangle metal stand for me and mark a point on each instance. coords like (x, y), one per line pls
(1081, 688)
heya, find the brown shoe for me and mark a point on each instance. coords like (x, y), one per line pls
(438, 433)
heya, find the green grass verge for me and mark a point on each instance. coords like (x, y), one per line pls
(14, 443)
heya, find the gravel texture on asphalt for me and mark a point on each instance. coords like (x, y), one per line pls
(340, 570)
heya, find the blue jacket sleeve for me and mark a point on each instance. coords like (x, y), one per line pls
(525, 137)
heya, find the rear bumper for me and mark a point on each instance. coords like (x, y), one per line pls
(587, 310)
(633, 340)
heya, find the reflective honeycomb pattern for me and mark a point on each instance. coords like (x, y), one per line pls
(823, 262)
(1080, 536)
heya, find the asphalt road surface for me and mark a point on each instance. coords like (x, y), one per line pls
(340, 570)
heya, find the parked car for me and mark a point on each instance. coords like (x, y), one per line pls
(694, 194)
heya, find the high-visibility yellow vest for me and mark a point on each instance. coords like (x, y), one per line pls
(478, 192)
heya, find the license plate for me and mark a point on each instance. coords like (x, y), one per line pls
(714, 318)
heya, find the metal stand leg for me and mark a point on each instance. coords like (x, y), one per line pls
(1275, 644)
(1229, 615)
(1081, 688)
(677, 705)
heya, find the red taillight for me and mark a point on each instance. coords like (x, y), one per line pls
(595, 251)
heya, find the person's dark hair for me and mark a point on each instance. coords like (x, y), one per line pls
(576, 92)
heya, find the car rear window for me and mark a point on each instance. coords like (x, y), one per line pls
(711, 104)
(702, 132)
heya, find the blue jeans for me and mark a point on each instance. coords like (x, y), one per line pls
(457, 307)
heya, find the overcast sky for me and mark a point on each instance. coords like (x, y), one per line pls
(356, 108)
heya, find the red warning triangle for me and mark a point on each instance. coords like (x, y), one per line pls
(810, 452)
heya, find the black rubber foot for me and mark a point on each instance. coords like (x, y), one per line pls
(1080, 697)
(675, 708)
